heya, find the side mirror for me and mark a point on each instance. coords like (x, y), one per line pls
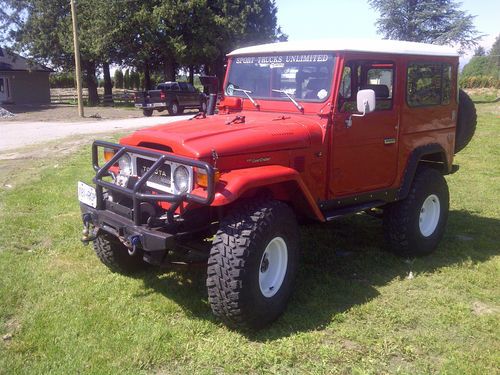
(365, 101)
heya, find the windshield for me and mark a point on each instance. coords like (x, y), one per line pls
(305, 76)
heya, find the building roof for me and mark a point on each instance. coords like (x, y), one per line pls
(357, 45)
(12, 62)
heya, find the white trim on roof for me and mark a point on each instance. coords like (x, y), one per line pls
(354, 45)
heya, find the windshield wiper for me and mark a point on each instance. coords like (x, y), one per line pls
(299, 107)
(247, 93)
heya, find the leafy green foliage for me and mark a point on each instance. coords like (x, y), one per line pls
(483, 70)
(152, 37)
(427, 21)
(118, 79)
(61, 80)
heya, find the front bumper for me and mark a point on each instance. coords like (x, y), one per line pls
(150, 105)
(125, 229)
(157, 232)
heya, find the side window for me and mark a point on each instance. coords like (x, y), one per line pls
(428, 84)
(190, 87)
(382, 80)
(183, 86)
(446, 84)
(360, 75)
(345, 85)
(175, 87)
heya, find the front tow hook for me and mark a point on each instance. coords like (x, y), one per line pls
(134, 242)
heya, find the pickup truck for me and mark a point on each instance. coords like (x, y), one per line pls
(174, 97)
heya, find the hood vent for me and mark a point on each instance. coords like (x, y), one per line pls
(155, 146)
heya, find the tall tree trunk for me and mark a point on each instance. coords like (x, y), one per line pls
(218, 70)
(169, 69)
(191, 74)
(91, 82)
(108, 85)
(147, 76)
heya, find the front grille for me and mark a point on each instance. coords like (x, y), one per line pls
(162, 176)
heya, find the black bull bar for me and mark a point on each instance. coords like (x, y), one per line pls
(135, 192)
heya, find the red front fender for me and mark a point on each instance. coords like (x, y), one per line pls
(283, 182)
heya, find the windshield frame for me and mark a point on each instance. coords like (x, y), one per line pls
(300, 58)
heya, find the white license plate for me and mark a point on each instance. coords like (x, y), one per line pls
(138, 105)
(86, 194)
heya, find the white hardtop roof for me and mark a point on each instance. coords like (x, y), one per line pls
(357, 45)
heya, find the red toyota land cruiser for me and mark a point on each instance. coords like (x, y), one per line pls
(312, 130)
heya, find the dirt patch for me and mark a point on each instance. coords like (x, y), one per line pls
(11, 327)
(480, 308)
(69, 113)
(350, 345)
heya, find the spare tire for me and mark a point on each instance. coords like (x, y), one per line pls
(466, 121)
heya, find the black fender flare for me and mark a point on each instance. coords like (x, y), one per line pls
(412, 164)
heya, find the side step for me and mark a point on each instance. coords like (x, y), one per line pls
(340, 212)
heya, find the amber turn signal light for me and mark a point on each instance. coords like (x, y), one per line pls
(202, 177)
(108, 154)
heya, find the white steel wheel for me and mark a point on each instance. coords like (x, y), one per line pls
(273, 267)
(429, 215)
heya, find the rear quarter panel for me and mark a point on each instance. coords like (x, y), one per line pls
(420, 126)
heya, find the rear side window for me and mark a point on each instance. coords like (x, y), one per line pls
(428, 84)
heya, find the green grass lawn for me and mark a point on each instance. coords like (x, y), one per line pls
(356, 309)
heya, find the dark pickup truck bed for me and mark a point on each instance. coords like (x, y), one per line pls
(174, 97)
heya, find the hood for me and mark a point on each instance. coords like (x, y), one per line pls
(261, 132)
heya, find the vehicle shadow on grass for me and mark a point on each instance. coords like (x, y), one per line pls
(343, 264)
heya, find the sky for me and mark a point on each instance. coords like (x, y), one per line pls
(314, 19)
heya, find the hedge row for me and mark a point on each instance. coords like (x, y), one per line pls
(479, 82)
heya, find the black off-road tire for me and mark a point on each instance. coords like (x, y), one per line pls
(147, 112)
(174, 109)
(236, 258)
(115, 256)
(466, 121)
(402, 220)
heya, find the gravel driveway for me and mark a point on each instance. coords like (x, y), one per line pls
(17, 134)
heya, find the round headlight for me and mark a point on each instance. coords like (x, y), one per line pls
(125, 165)
(181, 179)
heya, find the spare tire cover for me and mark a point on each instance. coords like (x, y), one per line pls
(466, 121)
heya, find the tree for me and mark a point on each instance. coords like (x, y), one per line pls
(479, 51)
(495, 56)
(478, 66)
(135, 80)
(149, 36)
(126, 79)
(118, 79)
(427, 21)
(485, 65)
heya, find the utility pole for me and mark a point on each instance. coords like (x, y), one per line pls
(78, 68)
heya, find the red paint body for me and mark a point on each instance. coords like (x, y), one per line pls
(310, 157)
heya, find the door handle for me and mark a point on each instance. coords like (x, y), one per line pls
(389, 141)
